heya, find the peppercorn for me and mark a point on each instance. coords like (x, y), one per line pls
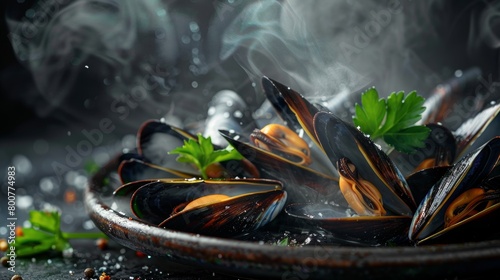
(5, 261)
(102, 243)
(89, 272)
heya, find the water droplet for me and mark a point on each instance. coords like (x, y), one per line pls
(24, 201)
(226, 115)
(49, 185)
(30, 13)
(22, 164)
(211, 111)
(185, 39)
(196, 36)
(67, 253)
(68, 219)
(41, 146)
(458, 73)
(69, 133)
(193, 26)
(160, 34)
(161, 12)
(88, 225)
(238, 114)
(86, 66)
(195, 51)
(229, 103)
(194, 84)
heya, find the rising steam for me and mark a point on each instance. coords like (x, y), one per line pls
(135, 59)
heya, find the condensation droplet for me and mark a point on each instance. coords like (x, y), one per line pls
(185, 39)
(22, 164)
(196, 36)
(194, 84)
(238, 114)
(161, 12)
(49, 185)
(193, 26)
(68, 219)
(88, 225)
(211, 111)
(41, 146)
(24, 201)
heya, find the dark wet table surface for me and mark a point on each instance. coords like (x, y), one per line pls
(116, 261)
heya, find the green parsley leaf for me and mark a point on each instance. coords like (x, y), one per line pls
(392, 119)
(45, 235)
(283, 242)
(202, 154)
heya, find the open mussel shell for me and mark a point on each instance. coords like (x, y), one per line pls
(246, 204)
(135, 169)
(473, 170)
(364, 230)
(341, 140)
(298, 114)
(298, 180)
(471, 129)
(156, 139)
(291, 106)
(420, 182)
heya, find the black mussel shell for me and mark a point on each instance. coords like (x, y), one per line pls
(251, 203)
(471, 171)
(294, 176)
(421, 182)
(135, 170)
(340, 139)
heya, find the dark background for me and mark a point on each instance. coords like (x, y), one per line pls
(421, 49)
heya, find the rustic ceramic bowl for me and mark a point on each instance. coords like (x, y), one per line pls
(245, 259)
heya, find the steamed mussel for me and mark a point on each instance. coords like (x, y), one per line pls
(210, 207)
(324, 173)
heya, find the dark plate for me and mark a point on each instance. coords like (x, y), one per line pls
(256, 260)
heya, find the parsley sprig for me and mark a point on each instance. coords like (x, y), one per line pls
(45, 235)
(392, 119)
(202, 154)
